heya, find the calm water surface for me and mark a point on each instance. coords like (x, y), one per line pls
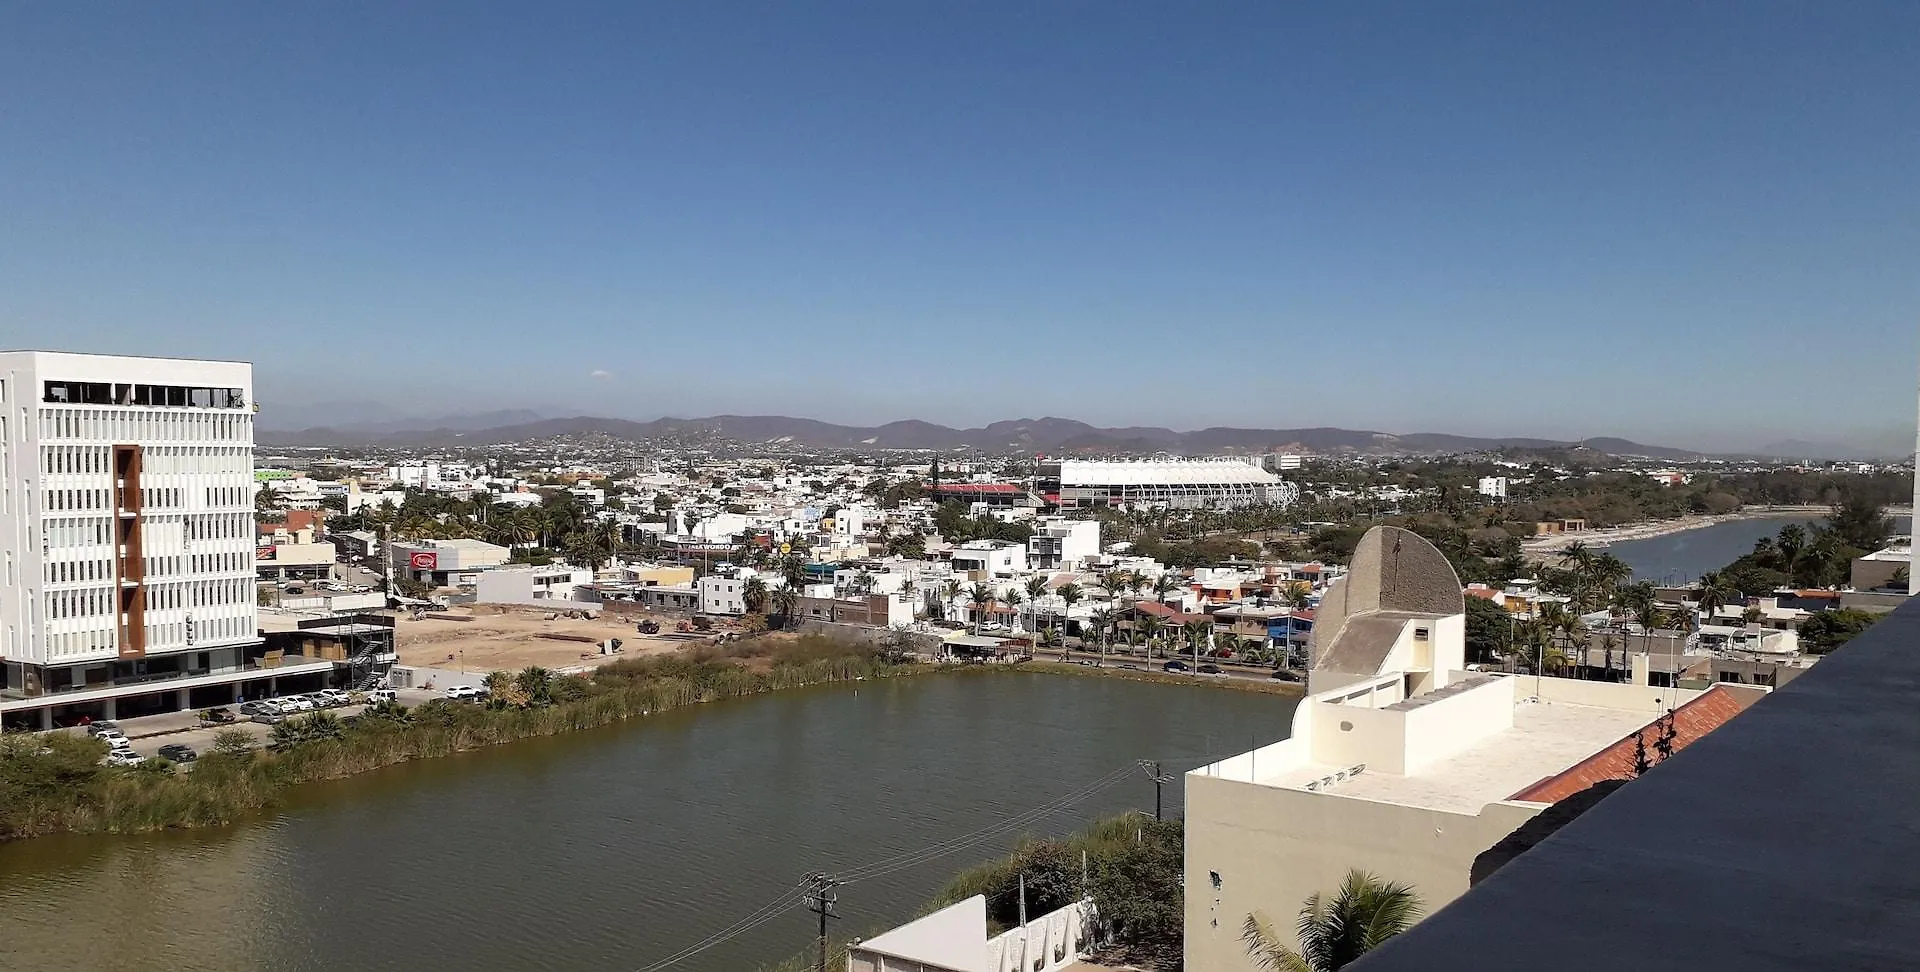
(1682, 557)
(612, 848)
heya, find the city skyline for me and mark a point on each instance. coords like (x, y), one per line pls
(1676, 225)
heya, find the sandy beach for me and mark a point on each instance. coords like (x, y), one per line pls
(1548, 545)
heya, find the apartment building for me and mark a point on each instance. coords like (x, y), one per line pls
(126, 536)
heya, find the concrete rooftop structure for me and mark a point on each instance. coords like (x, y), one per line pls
(1545, 739)
(1782, 842)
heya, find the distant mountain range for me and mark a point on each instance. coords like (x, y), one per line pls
(1049, 436)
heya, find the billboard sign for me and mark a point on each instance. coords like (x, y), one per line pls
(423, 561)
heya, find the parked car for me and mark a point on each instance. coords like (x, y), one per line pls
(462, 693)
(335, 697)
(362, 589)
(258, 706)
(178, 753)
(378, 696)
(296, 703)
(103, 729)
(1175, 665)
(217, 717)
(1285, 675)
(1209, 670)
(123, 757)
(268, 716)
(320, 699)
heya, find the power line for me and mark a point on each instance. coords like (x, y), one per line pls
(811, 889)
(788, 900)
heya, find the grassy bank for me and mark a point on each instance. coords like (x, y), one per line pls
(55, 783)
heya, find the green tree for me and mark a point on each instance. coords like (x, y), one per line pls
(535, 684)
(754, 595)
(1334, 933)
(1827, 630)
(1488, 628)
(981, 597)
(1714, 593)
(1860, 522)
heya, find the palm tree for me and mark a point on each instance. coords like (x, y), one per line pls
(951, 593)
(754, 594)
(1334, 933)
(980, 595)
(1148, 626)
(1102, 622)
(1298, 595)
(785, 601)
(1036, 589)
(1165, 584)
(1791, 545)
(1069, 594)
(536, 684)
(1714, 592)
(1199, 634)
(1013, 599)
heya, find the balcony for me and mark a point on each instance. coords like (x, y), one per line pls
(1783, 841)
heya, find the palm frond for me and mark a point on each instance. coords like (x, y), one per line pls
(1267, 949)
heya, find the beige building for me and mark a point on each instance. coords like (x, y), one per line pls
(1409, 770)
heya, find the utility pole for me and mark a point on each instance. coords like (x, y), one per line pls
(1152, 768)
(820, 901)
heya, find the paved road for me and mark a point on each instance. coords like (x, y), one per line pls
(148, 733)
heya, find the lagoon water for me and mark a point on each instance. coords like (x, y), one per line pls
(611, 849)
(1681, 557)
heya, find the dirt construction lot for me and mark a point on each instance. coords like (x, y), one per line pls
(509, 641)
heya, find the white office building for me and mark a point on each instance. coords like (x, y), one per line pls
(126, 536)
(1493, 486)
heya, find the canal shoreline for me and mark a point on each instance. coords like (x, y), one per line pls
(1550, 546)
(226, 787)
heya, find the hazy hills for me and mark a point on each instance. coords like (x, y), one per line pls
(1051, 436)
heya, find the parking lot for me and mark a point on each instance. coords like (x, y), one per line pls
(148, 733)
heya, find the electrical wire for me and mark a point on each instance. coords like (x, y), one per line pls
(794, 896)
(788, 900)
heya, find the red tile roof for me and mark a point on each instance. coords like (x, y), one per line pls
(1166, 613)
(1482, 591)
(1691, 722)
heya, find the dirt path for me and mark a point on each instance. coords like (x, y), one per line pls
(510, 641)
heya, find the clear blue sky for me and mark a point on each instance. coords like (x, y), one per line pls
(1697, 224)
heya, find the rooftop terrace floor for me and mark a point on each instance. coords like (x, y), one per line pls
(1546, 738)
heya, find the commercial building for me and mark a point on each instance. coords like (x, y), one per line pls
(284, 554)
(1493, 486)
(1171, 483)
(126, 535)
(444, 563)
(528, 584)
(1402, 763)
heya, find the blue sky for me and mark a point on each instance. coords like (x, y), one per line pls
(1695, 224)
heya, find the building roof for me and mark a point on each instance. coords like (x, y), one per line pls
(1691, 722)
(1166, 612)
(1545, 738)
(1158, 472)
(953, 939)
(994, 488)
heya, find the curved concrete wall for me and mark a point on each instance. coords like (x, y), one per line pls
(1393, 569)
